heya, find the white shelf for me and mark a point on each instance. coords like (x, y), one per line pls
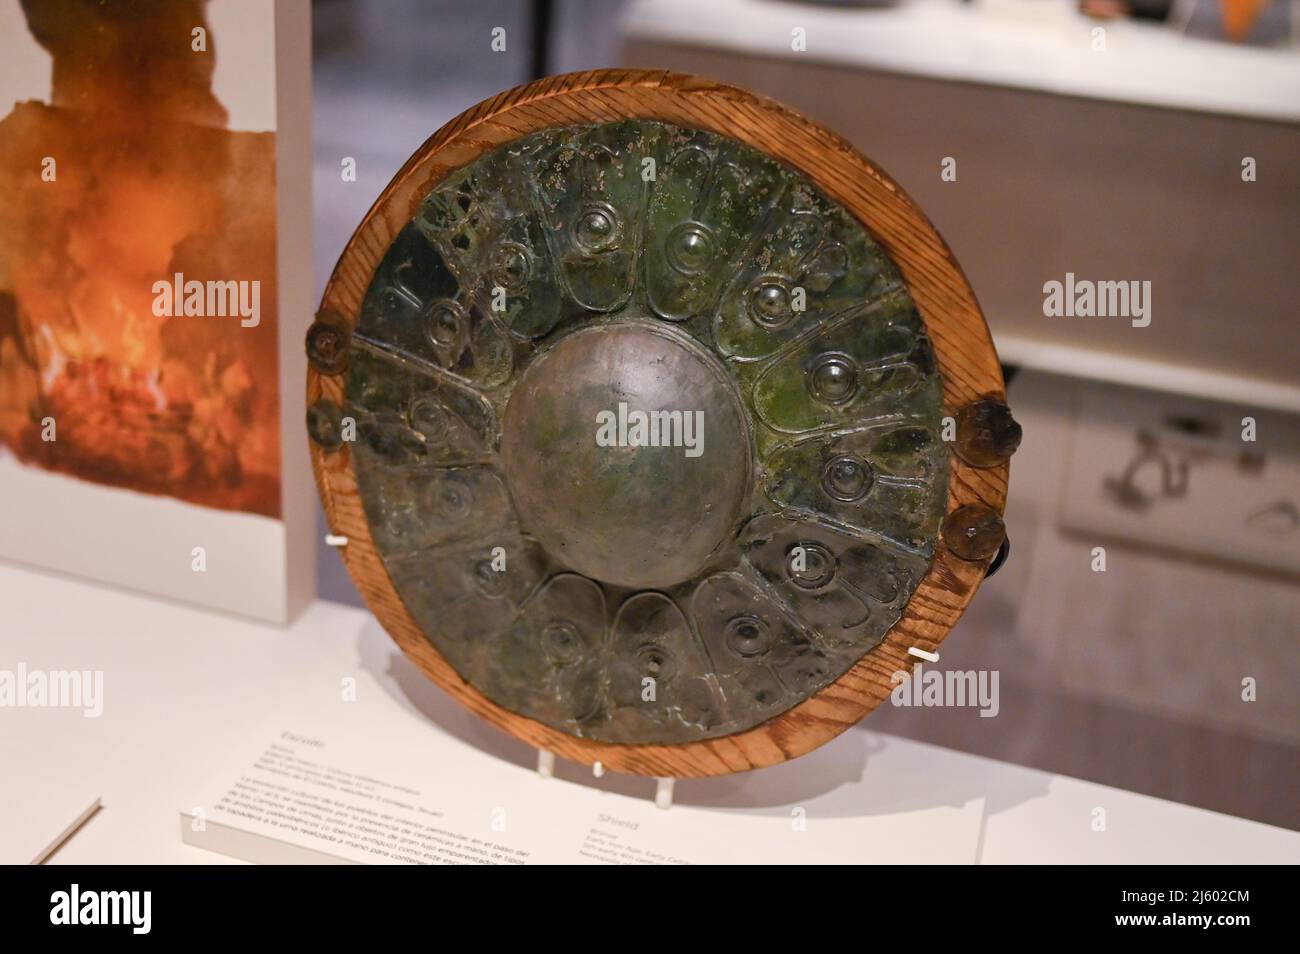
(1044, 46)
(1094, 365)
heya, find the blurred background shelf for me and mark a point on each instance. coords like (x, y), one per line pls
(1043, 46)
(1117, 165)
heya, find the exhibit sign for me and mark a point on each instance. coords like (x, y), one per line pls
(155, 278)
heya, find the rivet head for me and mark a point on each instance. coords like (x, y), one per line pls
(847, 478)
(747, 636)
(770, 303)
(596, 229)
(327, 346)
(690, 248)
(511, 266)
(987, 434)
(833, 378)
(445, 323)
(325, 424)
(973, 532)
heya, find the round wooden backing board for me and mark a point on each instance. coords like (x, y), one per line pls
(960, 337)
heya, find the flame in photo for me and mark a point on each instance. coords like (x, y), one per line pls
(147, 183)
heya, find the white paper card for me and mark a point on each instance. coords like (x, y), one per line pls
(316, 790)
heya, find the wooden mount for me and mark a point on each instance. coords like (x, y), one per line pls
(960, 337)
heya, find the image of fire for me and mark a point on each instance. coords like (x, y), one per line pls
(126, 180)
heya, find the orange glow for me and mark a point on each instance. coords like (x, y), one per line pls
(145, 186)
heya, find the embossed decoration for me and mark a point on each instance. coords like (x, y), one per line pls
(642, 590)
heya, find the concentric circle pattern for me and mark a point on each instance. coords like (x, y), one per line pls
(623, 585)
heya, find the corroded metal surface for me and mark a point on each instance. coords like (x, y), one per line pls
(674, 576)
(644, 514)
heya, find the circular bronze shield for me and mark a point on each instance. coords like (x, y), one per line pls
(644, 404)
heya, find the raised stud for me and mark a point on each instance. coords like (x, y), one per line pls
(690, 248)
(987, 434)
(444, 323)
(974, 532)
(596, 229)
(817, 568)
(511, 266)
(769, 303)
(748, 636)
(833, 378)
(328, 344)
(847, 478)
(325, 424)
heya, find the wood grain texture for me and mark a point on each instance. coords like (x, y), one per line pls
(963, 348)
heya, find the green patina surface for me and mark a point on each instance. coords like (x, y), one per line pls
(733, 255)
